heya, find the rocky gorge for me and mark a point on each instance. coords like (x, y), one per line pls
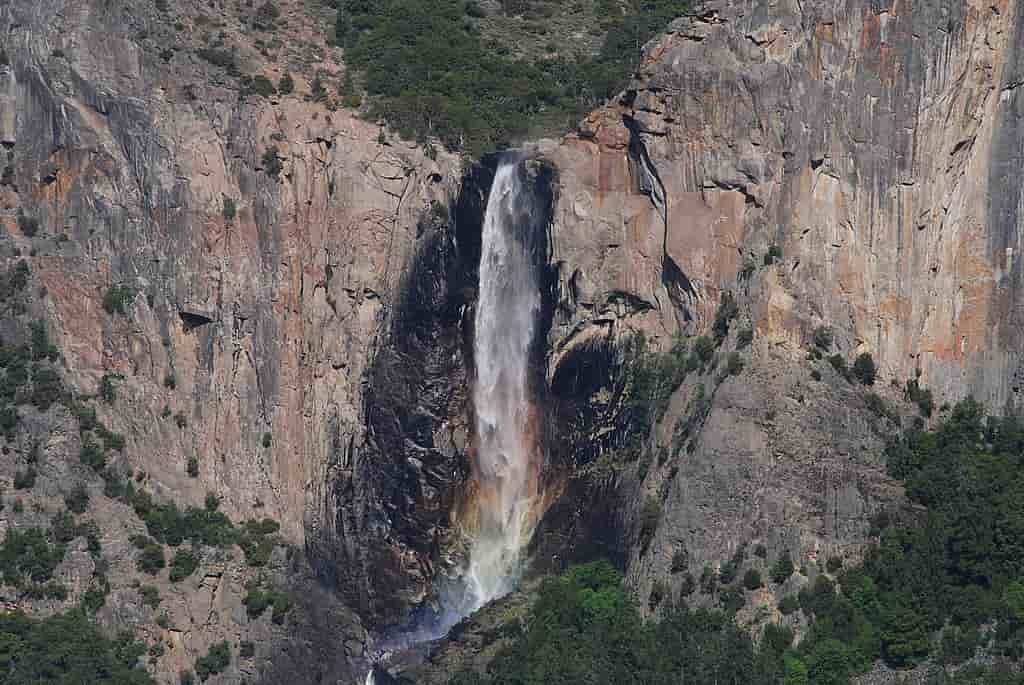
(282, 293)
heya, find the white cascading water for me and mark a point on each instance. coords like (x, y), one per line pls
(506, 461)
(507, 452)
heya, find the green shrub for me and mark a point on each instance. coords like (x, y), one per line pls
(752, 579)
(170, 381)
(688, 585)
(40, 342)
(272, 163)
(286, 86)
(920, 396)
(219, 57)
(266, 17)
(776, 639)
(728, 309)
(783, 568)
(258, 600)
(229, 209)
(186, 678)
(658, 593)
(257, 541)
(864, 369)
(28, 225)
(25, 480)
(92, 455)
(184, 564)
(246, 649)
(734, 364)
(118, 298)
(215, 661)
(77, 500)
(834, 564)
(680, 560)
(789, 604)
(62, 527)
(192, 467)
(151, 559)
(108, 391)
(47, 387)
(773, 255)
(266, 439)
(823, 338)
(257, 85)
(704, 348)
(150, 596)
(744, 338)
(839, 364)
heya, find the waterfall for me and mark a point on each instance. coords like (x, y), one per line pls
(507, 453)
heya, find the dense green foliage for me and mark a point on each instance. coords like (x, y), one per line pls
(215, 661)
(257, 600)
(118, 298)
(584, 628)
(29, 556)
(433, 75)
(938, 585)
(184, 564)
(952, 570)
(66, 649)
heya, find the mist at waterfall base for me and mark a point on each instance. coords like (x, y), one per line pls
(499, 518)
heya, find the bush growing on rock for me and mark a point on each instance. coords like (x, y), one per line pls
(752, 579)
(864, 369)
(184, 564)
(680, 560)
(150, 596)
(151, 559)
(258, 600)
(272, 163)
(823, 338)
(26, 479)
(783, 568)
(789, 604)
(117, 299)
(728, 309)
(77, 500)
(29, 226)
(286, 86)
(217, 659)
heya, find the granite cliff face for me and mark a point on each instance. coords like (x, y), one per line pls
(840, 166)
(299, 280)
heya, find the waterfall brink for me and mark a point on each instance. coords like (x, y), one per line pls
(507, 456)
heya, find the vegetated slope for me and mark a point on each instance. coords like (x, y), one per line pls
(933, 590)
(446, 68)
